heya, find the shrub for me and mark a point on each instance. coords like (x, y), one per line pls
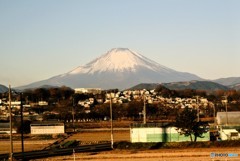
(45, 137)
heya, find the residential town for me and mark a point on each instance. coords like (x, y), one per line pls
(120, 97)
(93, 104)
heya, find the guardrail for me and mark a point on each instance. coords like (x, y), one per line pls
(57, 152)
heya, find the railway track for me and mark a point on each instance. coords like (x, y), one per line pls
(57, 152)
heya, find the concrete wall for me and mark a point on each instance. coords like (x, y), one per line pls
(47, 129)
(157, 134)
(7, 131)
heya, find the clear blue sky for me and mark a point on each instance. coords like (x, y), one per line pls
(43, 38)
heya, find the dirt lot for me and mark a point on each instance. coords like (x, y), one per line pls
(97, 136)
(198, 154)
(28, 145)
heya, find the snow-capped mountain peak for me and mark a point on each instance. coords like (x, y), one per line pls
(118, 60)
(118, 68)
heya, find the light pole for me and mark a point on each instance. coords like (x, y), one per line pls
(10, 120)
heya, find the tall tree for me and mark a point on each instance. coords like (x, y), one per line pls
(188, 125)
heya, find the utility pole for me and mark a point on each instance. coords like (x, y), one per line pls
(144, 109)
(111, 117)
(22, 138)
(197, 110)
(226, 101)
(10, 118)
(214, 115)
(73, 117)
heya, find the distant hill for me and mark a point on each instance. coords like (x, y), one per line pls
(231, 81)
(236, 86)
(3, 89)
(147, 86)
(197, 85)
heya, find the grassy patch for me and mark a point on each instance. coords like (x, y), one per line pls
(44, 137)
(70, 143)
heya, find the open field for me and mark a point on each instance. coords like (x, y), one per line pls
(84, 137)
(101, 124)
(28, 145)
(192, 154)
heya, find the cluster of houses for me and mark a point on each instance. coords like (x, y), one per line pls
(151, 97)
(16, 105)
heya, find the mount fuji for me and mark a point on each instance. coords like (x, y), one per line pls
(119, 68)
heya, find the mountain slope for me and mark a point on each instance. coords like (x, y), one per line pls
(119, 68)
(231, 81)
(197, 85)
(147, 86)
(236, 86)
(3, 89)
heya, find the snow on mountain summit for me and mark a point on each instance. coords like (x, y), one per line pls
(118, 60)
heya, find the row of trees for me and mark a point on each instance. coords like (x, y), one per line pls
(56, 94)
(189, 93)
(132, 110)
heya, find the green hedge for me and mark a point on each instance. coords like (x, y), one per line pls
(70, 143)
